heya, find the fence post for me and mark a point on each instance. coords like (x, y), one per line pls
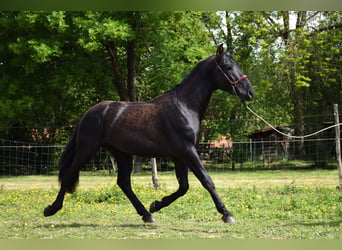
(250, 150)
(112, 160)
(338, 146)
(154, 173)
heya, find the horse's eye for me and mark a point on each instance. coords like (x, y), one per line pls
(228, 66)
(226, 61)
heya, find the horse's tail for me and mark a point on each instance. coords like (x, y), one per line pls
(68, 176)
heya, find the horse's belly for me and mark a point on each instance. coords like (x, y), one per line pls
(139, 142)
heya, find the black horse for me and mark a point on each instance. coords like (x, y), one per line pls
(165, 126)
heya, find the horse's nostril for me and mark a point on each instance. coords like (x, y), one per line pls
(250, 94)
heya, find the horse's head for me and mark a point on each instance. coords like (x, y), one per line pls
(230, 77)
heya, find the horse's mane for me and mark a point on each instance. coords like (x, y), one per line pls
(190, 75)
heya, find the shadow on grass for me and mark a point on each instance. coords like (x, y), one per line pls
(70, 225)
(142, 225)
(94, 225)
(323, 223)
(337, 223)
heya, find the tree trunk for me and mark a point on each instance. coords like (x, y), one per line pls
(229, 33)
(301, 19)
(118, 81)
(286, 30)
(131, 73)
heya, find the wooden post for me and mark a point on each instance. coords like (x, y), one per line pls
(338, 146)
(250, 150)
(154, 173)
(138, 164)
(113, 163)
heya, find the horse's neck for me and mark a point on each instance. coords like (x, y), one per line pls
(195, 94)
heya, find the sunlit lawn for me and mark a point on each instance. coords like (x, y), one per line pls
(267, 204)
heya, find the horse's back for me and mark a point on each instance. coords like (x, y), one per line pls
(141, 128)
(127, 126)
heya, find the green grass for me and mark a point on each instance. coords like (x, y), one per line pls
(267, 205)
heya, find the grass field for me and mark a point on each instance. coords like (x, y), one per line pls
(267, 205)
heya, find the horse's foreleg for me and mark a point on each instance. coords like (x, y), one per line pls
(182, 177)
(202, 175)
(124, 181)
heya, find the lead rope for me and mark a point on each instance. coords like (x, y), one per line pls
(290, 136)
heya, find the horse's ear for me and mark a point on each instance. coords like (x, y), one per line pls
(219, 50)
(231, 51)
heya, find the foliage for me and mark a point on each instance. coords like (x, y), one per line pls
(293, 61)
(55, 65)
(313, 51)
(47, 81)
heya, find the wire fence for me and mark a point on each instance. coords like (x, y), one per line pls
(27, 158)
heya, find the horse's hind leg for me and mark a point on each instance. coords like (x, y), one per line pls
(57, 204)
(68, 183)
(125, 165)
(182, 177)
(69, 172)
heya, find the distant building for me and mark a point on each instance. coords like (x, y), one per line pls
(271, 145)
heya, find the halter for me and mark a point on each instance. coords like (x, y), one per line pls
(233, 83)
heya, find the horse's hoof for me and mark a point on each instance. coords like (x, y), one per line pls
(49, 211)
(148, 219)
(155, 206)
(228, 219)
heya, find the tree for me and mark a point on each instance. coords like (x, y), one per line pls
(67, 61)
(292, 60)
(55, 65)
(112, 31)
(314, 52)
(253, 38)
(47, 80)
